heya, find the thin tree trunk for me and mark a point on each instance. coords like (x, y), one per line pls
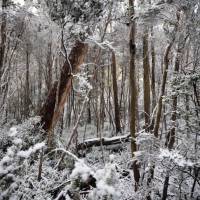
(3, 35)
(49, 65)
(27, 85)
(171, 134)
(165, 188)
(39, 84)
(196, 173)
(153, 64)
(102, 100)
(170, 140)
(146, 78)
(164, 79)
(115, 94)
(162, 89)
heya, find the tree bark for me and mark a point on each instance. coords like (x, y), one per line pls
(171, 134)
(162, 89)
(146, 78)
(164, 78)
(133, 94)
(165, 188)
(3, 35)
(153, 64)
(27, 82)
(115, 94)
(49, 65)
(54, 104)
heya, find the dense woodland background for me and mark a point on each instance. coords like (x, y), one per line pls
(100, 99)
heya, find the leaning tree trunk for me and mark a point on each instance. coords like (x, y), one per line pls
(54, 104)
(159, 108)
(170, 140)
(164, 80)
(171, 134)
(162, 90)
(133, 93)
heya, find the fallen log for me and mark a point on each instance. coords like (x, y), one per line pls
(105, 141)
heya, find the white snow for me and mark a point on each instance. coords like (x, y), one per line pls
(21, 2)
(196, 8)
(26, 154)
(81, 170)
(17, 141)
(13, 132)
(175, 157)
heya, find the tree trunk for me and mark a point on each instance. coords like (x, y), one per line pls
(146, 79)
(39, 88)
(153, 64)
(165, 188)
(162, 89)
(115, 94)
(164, 79)
(133, 94)
(171, 134)
(49, 65)
(3, 35)
(54, 104)
(27, 85)
(102, 100)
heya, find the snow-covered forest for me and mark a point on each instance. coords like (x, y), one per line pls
(100, 99)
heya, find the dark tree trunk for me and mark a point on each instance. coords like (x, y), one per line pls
(171, 134)
(165, 188)
(146, 78)
(162, 90)
(153, 64)
(133, 94)
(27, 83)
(49, 64)
(3, 35)
(115, 94)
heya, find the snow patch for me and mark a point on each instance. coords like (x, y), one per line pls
(175, 157)
(26, 154)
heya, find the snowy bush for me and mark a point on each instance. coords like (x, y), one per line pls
(16, 154)
(105, 181)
